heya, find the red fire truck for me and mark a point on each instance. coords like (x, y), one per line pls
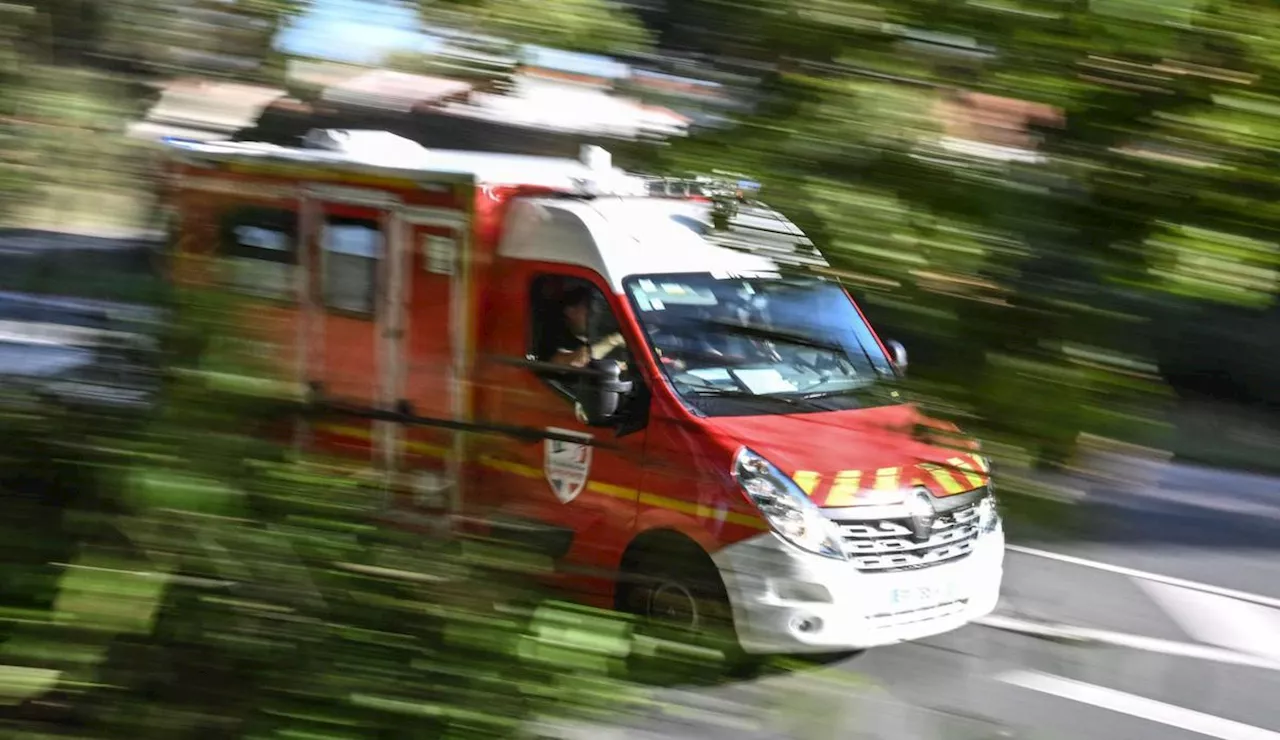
(679, 415)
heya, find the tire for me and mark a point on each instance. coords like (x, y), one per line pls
(685, 622)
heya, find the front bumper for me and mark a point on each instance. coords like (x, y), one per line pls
(788, 601)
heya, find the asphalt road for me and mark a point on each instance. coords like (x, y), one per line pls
(1101, 637)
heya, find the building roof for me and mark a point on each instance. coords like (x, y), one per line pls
(397, 91)
(994, 120)
(553, 105)
(573, 63)
(210, 107)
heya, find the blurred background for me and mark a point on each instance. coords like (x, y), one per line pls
(1065, 209)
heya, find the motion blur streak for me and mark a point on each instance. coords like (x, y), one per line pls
(595, 368)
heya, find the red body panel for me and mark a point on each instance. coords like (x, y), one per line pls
(848, 458)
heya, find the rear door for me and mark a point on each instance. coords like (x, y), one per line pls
(349, 236)
(386, 332)
(430, 373)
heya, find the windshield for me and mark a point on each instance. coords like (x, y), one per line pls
(761, 343)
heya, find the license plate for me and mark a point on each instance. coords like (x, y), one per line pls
(921, 595)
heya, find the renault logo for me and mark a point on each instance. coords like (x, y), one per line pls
(920, 509)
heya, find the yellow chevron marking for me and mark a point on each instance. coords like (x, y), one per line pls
(845, 488)
(944, 478)
(807, 480)
(981, 463)
(887, 479)
(965, 469)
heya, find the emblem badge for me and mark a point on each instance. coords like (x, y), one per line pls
(920, 508)
(567, 465)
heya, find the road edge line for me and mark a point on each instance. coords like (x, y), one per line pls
(1133, 705)
(1091, 636)
(1252, 598)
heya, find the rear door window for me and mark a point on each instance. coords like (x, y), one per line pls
(352, 251)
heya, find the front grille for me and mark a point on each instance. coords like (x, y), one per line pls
(886, 545)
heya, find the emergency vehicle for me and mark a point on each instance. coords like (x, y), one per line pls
(738, 440)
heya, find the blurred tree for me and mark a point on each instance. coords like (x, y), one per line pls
(1158, 184)
(486, 72)
(183, 577)
(230, 39)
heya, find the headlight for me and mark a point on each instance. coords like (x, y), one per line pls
(788, 510)
(988, 515)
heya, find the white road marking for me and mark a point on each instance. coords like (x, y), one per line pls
(1220, 620)
(1126, 640)
(1137, 706)
(1270, 601)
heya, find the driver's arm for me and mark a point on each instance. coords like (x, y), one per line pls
(578, 357)
(606, 346)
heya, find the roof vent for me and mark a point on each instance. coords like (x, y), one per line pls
(596, 158)
(324, 138)
(380, 147)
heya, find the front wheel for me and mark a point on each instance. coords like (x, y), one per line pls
(686, 626)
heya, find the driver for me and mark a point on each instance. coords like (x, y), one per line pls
(570, 344)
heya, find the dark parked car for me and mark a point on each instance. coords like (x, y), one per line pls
(79, 320)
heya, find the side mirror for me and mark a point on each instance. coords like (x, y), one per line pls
(899, 355)
(600, 393)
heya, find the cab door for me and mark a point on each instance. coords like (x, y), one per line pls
(571, 495)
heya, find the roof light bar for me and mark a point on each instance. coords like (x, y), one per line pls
(717, 185)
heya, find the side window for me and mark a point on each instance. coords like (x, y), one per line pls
(572, 323)
(352, 251)
(260, 246)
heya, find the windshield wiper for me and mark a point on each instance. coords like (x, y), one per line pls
(864, 390)
(708, 392)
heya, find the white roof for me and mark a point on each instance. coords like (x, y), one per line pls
(619, 233)
(384, 153)
(619, 237)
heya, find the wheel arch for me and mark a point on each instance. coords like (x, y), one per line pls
(663, 539)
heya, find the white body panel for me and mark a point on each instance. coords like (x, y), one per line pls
(771, 588)
(619, 237)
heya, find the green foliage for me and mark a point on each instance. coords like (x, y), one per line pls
(1158, 189)
(63, 155)
(187, 578)
(194, 36)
